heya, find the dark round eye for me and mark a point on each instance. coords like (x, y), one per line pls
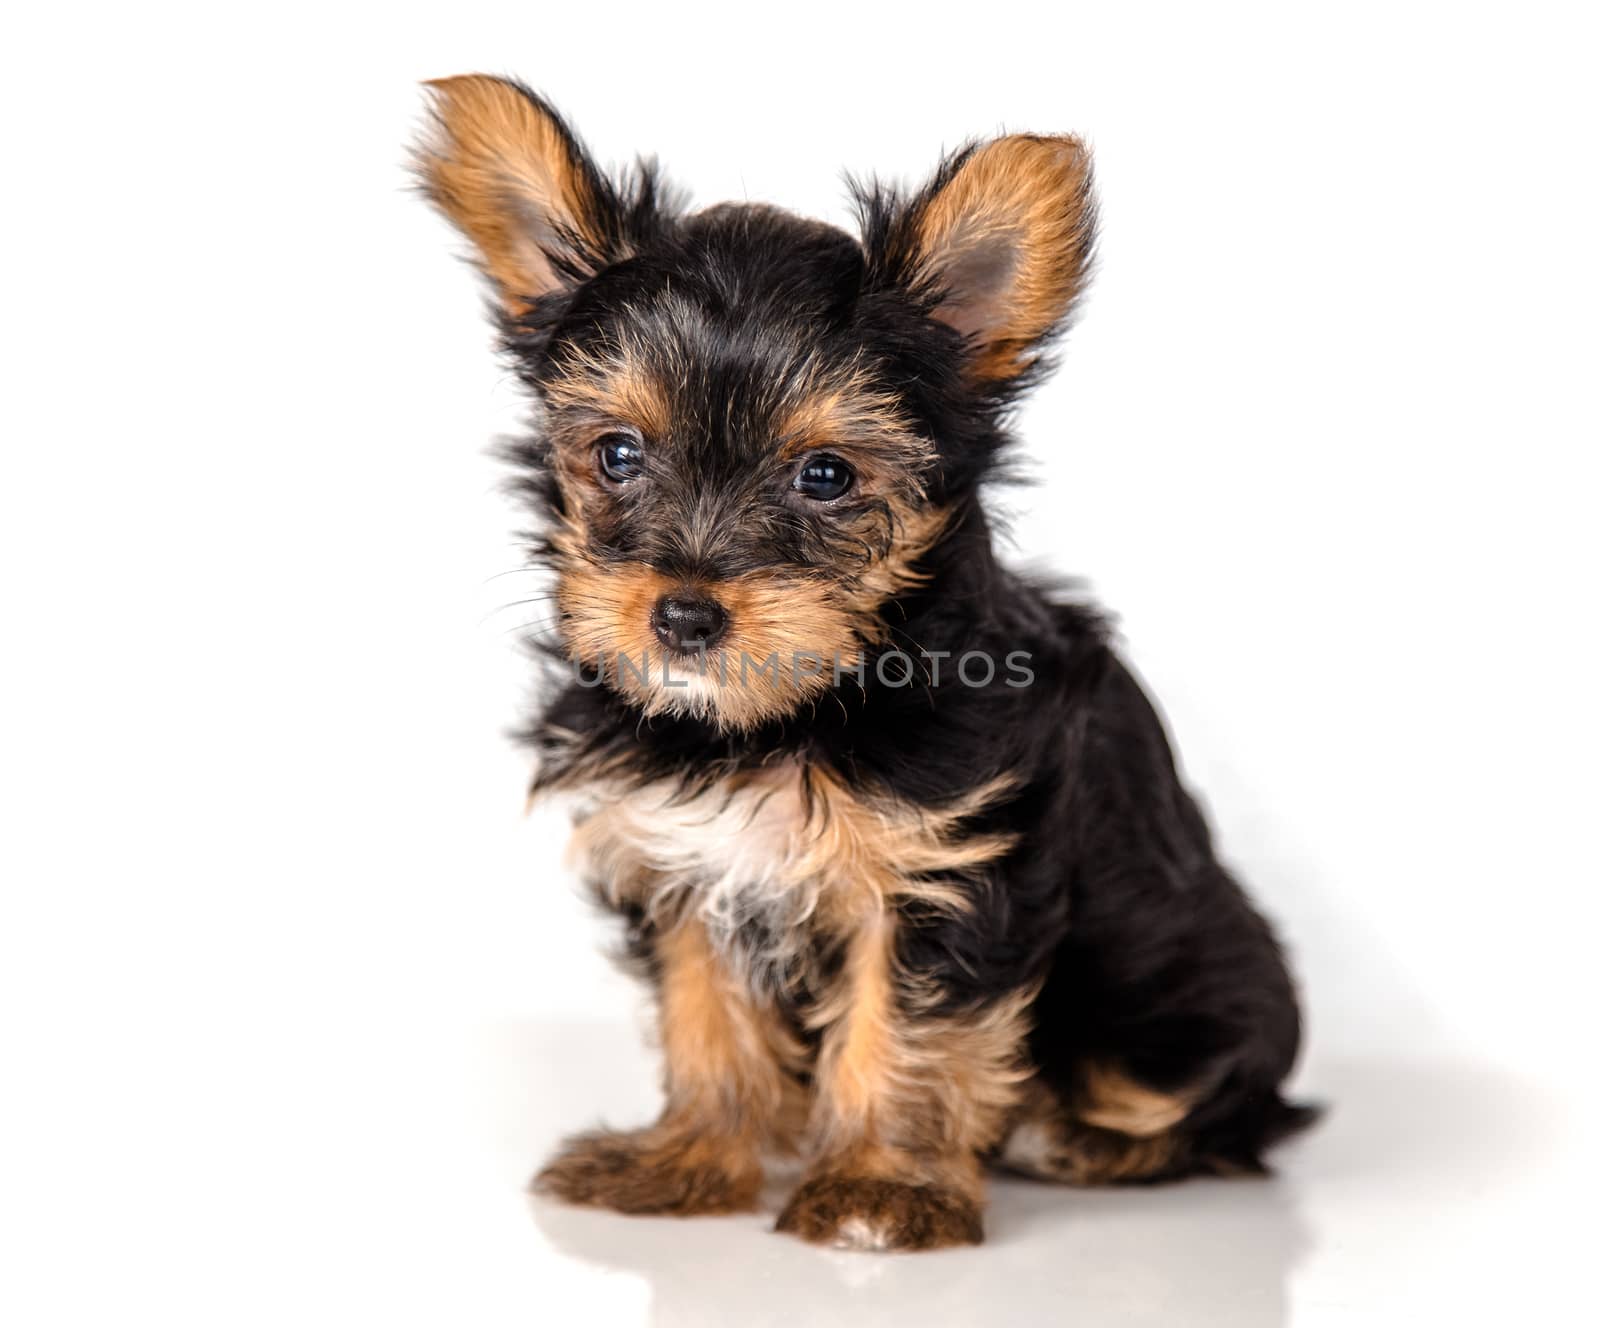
(824, 478)
(621, 457)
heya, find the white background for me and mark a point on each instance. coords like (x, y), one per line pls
(294, 998)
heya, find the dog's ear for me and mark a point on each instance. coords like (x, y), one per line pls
(503, 166)
(998, 246)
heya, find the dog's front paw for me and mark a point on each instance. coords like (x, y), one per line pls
(651, 1171)
(862, 1213)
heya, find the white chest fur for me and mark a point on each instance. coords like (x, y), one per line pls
(749, 856)
(765, 855)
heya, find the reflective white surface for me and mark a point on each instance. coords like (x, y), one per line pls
(1431, 1193)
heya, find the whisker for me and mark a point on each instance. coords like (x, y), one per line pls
(535, 626)
(542, 598)
(514, 571)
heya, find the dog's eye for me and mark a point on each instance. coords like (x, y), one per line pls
(824, 478)
(621, 458)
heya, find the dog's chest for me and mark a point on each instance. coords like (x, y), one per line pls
(748, 856)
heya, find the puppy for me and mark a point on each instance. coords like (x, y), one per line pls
(896, 839)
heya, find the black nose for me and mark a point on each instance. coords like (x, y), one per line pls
(688, 624)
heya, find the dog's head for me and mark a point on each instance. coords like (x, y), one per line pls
(752, 427)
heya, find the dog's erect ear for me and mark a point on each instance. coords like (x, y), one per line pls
(500, 163)
(999, 243)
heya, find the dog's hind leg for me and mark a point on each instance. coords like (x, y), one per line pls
(1131, 1134)
(1111, 1130)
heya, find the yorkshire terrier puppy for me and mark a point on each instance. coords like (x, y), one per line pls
(897, 840)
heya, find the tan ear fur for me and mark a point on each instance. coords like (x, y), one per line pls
(1007, 239)
(503, 167)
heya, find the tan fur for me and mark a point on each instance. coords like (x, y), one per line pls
(916, 529)
(500, 169)
(866, 1212)
(844, 413)
(729, 1060)
(670, 1167)
(900, 1092)
(788, 842)
(860, 1054)
(906, 1104)
(1023, 203)
(732, 1091)
(608, 390)
(806, 625)
(606, 610)
(878, 851)
(904, 1094)
(1076, 1144)
(1113, 1101)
